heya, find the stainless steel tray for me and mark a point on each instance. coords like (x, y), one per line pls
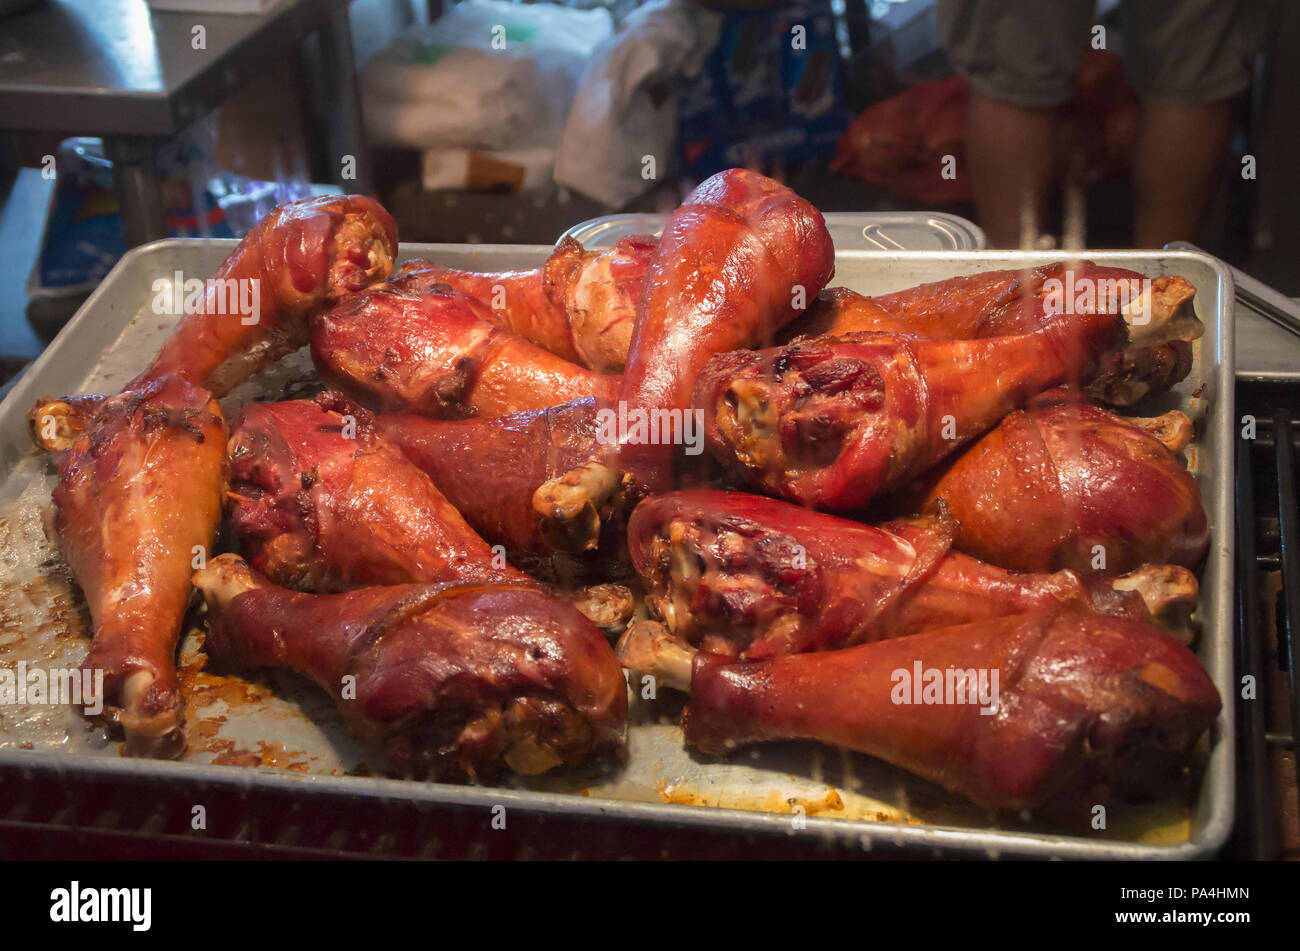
(1268, 329)
(288, 735)
(850, 230)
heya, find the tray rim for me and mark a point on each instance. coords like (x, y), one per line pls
(858, 220)
(1218, 778)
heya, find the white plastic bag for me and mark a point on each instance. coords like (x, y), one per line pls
(487, 75)
(615, 122)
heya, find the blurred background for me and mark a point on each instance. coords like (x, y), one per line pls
(1071, 125)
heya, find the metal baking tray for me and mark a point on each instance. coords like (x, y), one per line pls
(1268, 329)
(286, 733)
(850, 230)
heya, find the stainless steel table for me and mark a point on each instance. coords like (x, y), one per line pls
(116, 69)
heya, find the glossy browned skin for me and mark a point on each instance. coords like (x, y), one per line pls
(139, 490)
(306, 255)
(738, 259)
(450, 681)
(579, 305)
(734, 260)
(748, 576)
(1087, 706)
(1001, 303)
(832, 421)
(988, 304)
(489, 468)
(440, 354)
(839, 310)
(317, 509)
(1047, 485)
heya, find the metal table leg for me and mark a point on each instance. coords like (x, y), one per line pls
(135, 175)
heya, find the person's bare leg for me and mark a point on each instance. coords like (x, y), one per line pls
(1010, 153)
(1180, 155)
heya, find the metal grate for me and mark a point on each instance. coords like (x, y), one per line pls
(45, 815)
(1268, 549)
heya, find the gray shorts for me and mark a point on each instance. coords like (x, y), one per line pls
(1185, 52)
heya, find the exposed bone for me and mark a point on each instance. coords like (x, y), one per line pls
(1163, 313)
(1173, 429)
(608, 606)
(224, 577)
(155, 737)
(1169, 592)
(753, 424)
(649, 648)
(530, 756)
(754, 411)
(683, 578)
(55, 424)
(570, 506)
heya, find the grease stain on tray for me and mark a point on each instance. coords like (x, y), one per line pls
(202, 689)
(831, 802)
(233, 695)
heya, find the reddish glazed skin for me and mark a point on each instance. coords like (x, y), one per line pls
(441, 355)
(832, 421)
(316, 510)
(489, 468)
(1046, 486)
(724, 276)
(1085, 701)
(990, 304)
(306, 255)
(137, 491)
(580, 305)
(995, 304)
(451, 681)
(775, 578)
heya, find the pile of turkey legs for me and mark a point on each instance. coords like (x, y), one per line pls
(816, 491)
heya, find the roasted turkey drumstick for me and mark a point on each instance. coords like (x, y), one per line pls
(1082, 704)
(137, 501)
(579, 305)
(322, 501)
(305, 255)
(489, 468)
(739, 259)
(1159, 314)
(449, 680)
(832, 421)
(748, 576)
(1073, 486)
(1002, 303)
(440, 354)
